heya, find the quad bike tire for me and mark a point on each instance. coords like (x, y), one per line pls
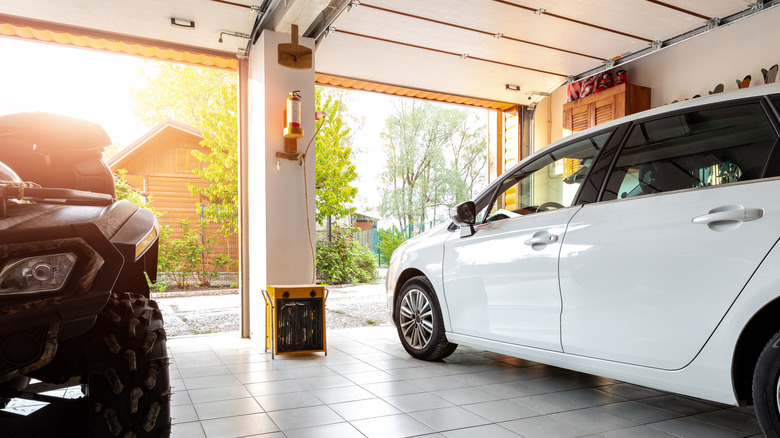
(128, 384)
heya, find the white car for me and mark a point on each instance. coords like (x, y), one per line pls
(641, 250)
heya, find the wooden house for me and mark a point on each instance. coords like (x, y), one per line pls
(160, 165)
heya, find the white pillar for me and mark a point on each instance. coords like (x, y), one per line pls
(280, 201)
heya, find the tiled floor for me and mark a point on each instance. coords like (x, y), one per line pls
(367, 386)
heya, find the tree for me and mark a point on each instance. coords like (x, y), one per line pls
(434, 155)
(334, 170)
(205, 98)
(467, 149)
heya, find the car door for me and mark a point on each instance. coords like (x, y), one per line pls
(687, 216)
(501, 283)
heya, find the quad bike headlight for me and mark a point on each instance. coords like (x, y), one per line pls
(44, 273)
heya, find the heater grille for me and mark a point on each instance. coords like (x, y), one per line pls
(299, 323)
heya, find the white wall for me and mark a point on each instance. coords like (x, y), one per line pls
(694, 66)
(280, 230)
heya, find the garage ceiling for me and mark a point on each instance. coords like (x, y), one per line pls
(470, 48)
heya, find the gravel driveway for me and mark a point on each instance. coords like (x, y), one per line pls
(346, 306)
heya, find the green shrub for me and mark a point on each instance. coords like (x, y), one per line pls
(344, 259)
(390, 240)
(179, 258)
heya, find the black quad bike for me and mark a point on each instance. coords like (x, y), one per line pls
(74, 298)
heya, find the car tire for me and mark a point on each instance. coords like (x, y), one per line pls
(419, 321)
(128, 384)
(766, 388)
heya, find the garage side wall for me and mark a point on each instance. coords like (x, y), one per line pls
(692, 67)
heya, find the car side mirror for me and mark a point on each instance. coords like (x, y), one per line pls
(464, 215)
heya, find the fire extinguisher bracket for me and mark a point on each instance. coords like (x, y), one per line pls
(290, 156)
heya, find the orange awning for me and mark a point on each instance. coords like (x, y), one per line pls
(43, 31)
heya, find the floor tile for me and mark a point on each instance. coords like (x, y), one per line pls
(510, 390)
(311, 371)
(416, 372)
(630, 392)
(369, 386)
(501, 410)
(591, 396)
(551, 384)
(365, 378)
(353, 367)
(215, 370)
(262, 376)
(183, 414)
(277, 387)
(241, 426)
(362, 409)
(187, 430)
(688, 427)
(679, 404)
(451, 418)
(210, 381)
(323, 382)
(462, 396)
(387, 389)
(338, 430)
(391, 426)
(342, 394)
(227, 408)
(548, 403)
(490, 430)
(417, 402)
(219, 393)
(638, 412)
(305, 417)
(593, 420)
(637, 432)
(729, 419)
(180, 397)
(543, 427)
(289, 400)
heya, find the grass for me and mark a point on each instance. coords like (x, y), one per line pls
(197, 332)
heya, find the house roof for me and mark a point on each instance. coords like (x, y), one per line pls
(139, 145)
(356, 216)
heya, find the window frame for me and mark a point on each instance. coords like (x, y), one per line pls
(765, 103)
(494, 189)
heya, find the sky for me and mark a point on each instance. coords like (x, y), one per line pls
(81, 83)
(95, 86)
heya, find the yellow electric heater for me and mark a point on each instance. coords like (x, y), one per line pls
(295, 319)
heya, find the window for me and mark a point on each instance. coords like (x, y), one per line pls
(551, 181)
(185, 161)
(697, 149)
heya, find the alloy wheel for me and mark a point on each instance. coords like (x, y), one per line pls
(416, 319)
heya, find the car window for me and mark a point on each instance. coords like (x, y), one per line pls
(696, 149)
(549, 182)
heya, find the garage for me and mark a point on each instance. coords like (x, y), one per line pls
(524, 60)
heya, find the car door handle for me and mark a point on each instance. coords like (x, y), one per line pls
(731, 213)
(541, 239)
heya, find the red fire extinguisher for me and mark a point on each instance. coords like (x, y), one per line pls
(292, 128)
